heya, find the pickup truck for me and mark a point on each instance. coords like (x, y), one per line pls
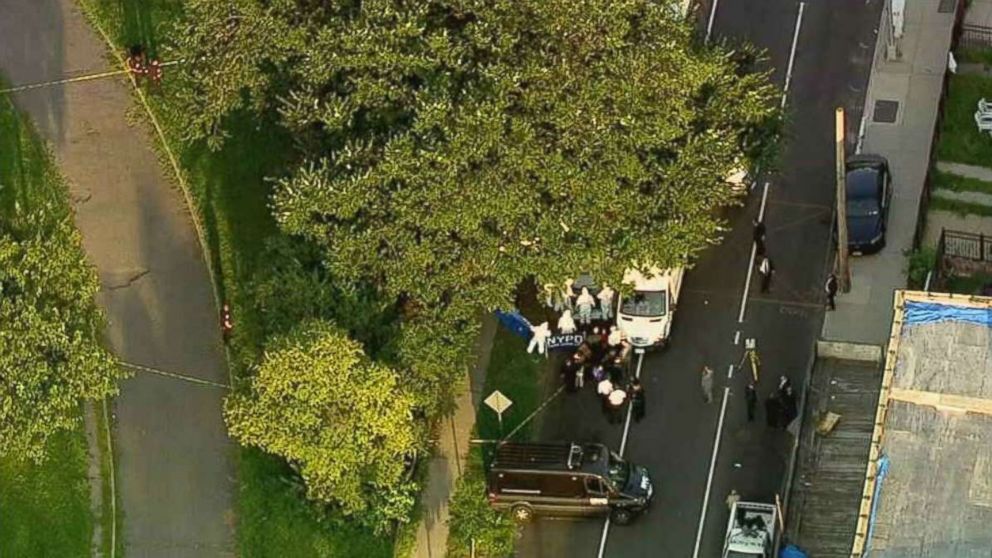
(750, 530)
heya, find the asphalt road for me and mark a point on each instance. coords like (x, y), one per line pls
(175, 474)
(676, 439)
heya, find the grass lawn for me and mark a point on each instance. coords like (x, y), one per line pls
(960, 141)
(973, 55)
(968, 285)
(231, 194)
(517, 375)
(44, 508)
(960, 207)
(948, 181)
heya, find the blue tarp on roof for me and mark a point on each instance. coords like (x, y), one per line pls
(916, 313)
(792, 551)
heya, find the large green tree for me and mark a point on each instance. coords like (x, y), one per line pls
(50, 359)
(452, 149)
(343, 421)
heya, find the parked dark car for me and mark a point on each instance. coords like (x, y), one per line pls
(567, 479)
(869, 193)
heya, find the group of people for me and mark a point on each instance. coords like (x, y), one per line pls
(141, 66)
(766, 269)
(601, 360)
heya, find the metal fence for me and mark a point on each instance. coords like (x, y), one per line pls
(975, 36)
(977, 247)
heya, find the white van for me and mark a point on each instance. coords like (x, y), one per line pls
(645, 316)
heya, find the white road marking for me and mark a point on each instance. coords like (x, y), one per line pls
(737, 337)
(709, 24)
(730, 371)
(750, 264)
(792, 53)
(709, 479)
(623, 447)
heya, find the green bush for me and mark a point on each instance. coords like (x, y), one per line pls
(921, 261)
(472, 518)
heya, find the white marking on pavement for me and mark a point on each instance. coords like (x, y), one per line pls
(737, 337)
(623, 447)
(750, 264)
(730, 372)
(792, 53)
(709, 24)
(709, 479)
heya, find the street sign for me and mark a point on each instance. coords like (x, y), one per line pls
(498, 402)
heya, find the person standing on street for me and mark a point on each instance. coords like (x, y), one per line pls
(637, 402)
(751, 396)
(759, 236)
(706, 383)
(766, 269)
(831, 288)
(732, 499)
(615, 401)
(604, 388)
(570, 375)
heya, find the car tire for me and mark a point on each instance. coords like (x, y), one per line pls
(621, 516)
(522, 513)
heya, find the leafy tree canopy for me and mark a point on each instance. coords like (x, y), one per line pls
(342, 420)
(49, 355)
(450, 150)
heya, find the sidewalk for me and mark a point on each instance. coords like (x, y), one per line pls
(448, 460)
(915, 81)
(174, 460)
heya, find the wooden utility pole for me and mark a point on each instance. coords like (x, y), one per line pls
(843, 274)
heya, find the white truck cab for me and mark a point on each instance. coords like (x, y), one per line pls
(750, 530)
(645, 316)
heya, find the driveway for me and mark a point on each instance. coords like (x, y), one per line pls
(174, 459)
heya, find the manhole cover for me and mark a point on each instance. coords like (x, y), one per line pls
(885, 111)
(946, 6)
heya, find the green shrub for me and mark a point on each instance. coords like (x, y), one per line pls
(921, 261)
(472, 518)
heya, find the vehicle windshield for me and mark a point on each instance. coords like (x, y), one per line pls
(619, 471)
(862, 207)
(646, 304)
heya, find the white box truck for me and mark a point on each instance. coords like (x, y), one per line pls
(645, 316)
(750, 530)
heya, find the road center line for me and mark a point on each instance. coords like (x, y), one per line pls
(792, 53)
(709, 24)
(730, 371)
(709, 479)
(737, 337)
(754, 251)
(623, 447)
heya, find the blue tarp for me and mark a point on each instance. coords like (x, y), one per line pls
(792, 551)
(515, 322)
(883, 470)
(915, 313)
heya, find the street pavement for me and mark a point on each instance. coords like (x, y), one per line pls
(676, 439)
(175, 479)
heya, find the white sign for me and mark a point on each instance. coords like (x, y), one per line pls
(498, 402)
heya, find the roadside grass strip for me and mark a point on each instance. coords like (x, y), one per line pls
(960, 207)
(45, 508)
(944, 180)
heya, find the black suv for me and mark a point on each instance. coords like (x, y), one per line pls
(566, 479)
(869, 191)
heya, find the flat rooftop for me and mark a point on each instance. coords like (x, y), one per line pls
(934, 428)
